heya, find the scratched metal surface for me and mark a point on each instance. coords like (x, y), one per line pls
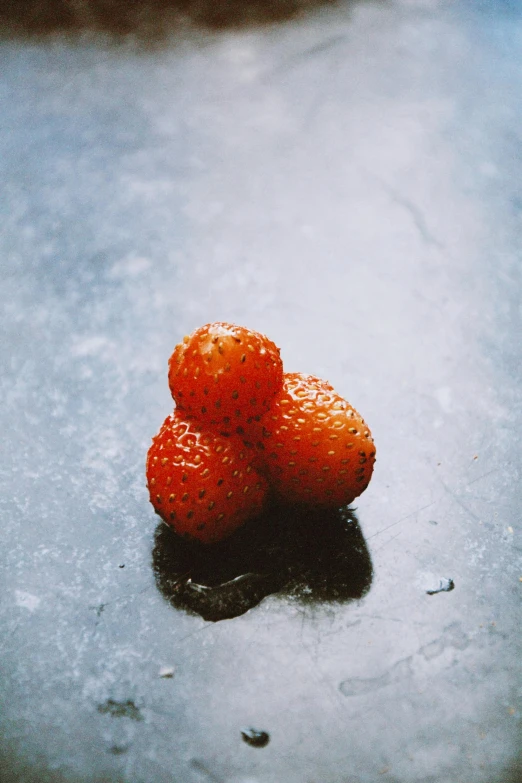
(348, 182)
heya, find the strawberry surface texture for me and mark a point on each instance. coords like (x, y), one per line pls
(202, 483)
(243, 431)
(225, 375)
(317, 448)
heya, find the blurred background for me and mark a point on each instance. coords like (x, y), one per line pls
(147, 20)
(345, 177)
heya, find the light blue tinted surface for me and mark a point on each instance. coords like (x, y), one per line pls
(348, 183)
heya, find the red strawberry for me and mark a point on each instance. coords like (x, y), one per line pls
(201, 483)
(225, 375)
(317, 448)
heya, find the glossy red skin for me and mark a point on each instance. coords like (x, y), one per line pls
(201, 483)
(226, 376)
(316, 448)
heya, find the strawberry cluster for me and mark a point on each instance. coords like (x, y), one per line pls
(242, 427)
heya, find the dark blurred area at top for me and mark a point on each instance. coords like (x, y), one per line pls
(146, 20)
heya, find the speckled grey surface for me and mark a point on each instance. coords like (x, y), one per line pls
(349, 183)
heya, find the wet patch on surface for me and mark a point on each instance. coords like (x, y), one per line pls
(356, 686)
(120, 709)
(453, 637)
(312, 555)
(118, 750)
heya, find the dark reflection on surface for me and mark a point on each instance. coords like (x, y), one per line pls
(146, 19)
(315, 556)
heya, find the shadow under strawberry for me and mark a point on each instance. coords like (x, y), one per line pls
(311, 554)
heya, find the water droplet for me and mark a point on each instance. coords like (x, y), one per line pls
(255, 738)
(445, 586)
